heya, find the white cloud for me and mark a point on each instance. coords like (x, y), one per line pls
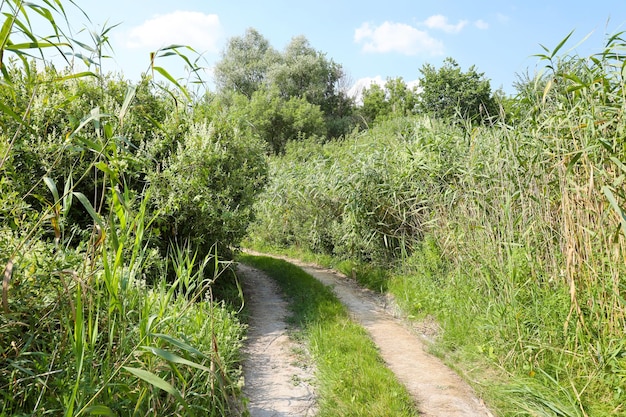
(397, 37)
(502, 18)
(356, 91)
(441, 22)
(481, 24)
(198, 30)
(414, 84)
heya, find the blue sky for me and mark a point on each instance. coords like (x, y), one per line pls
(370, 39)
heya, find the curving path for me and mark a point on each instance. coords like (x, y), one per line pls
(438, 391)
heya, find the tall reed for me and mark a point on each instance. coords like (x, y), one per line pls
(511, 235)
(81, 331)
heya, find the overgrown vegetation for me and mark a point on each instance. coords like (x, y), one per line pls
(511, 234)
(339, 346)
(121, 203)
(118, 203)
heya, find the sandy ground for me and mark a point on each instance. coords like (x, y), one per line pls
(438, 391)
(277, 372)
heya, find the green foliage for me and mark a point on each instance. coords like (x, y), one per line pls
(364, 198)
(375, 103)
(267, 116)
(205, 191)
(75, 122)
(69, 308)
(245, 64)
(304, 72)
(395, 99)
(449, 93)
(282, 121)
(340, 347)
(82, 331)
(518, 249)
(286, 81)
(275, 120)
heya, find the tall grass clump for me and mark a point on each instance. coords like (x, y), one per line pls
(104, 309)
(510, 235)
(355, 198)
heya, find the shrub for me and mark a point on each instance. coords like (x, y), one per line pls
(205, 191)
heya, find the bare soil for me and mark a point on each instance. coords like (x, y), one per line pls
(277, 370)
(438, 391)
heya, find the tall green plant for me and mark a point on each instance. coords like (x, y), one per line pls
(81, 331)
(212, 201)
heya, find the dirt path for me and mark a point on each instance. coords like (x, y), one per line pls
(437, 389)
(276, 374)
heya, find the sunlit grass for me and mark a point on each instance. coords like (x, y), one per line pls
(511, 235)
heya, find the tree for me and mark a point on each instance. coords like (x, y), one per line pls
(449, 93)
(250, 64)
(402, 99)
(307, 73)
(394, 99)
(375, 104)
(278, 120)
(245, 63)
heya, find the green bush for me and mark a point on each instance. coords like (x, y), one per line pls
(204, 193)
(75, 123)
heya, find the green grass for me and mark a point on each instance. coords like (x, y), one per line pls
(352, 379)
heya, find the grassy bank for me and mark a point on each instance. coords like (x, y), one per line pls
(83, 333)
(340, 348)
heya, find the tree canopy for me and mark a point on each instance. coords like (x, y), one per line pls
(449, 92)
(395, 98)
(299, 91)
(245, 63)
(250, 64)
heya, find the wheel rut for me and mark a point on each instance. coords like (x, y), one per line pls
(277, 376)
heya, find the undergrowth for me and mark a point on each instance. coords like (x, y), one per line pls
(107, 308)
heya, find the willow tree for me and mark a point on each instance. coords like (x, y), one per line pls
(245, 63)
(300, 72)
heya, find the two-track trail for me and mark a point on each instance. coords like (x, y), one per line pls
(437, 390)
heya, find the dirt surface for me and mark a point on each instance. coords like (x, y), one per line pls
(277, 372)
(437, 389)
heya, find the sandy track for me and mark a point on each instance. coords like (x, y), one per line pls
(438, 391)
(277, 383)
